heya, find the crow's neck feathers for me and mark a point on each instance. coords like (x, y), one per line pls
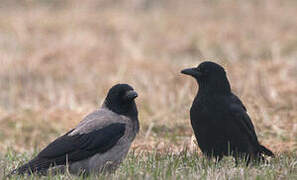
(215, 86)
(128, 109)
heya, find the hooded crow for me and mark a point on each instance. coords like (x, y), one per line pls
(219, 119)
(98, 143)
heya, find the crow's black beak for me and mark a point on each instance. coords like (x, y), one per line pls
(130, 95)
(191, 72)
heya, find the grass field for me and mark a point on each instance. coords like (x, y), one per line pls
(59, 58)
(183, 165)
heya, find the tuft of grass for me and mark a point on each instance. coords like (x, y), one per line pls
(183, 165)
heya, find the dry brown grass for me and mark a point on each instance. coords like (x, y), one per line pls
(58, 59)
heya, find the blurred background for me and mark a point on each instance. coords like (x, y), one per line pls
(59, 58)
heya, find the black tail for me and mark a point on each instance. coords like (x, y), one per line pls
(265, 151)
(36, 165)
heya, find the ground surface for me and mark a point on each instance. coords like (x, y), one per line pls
(59, 58)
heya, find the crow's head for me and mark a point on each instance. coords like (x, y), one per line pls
(210, 76)
(120, 99)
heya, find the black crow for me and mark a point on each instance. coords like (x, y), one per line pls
(99, 142)
(219, 119)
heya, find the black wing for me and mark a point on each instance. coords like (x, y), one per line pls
(245, 124)
(243, 120)
(81, 146)
(69, 148)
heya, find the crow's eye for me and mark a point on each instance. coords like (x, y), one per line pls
(205, 71)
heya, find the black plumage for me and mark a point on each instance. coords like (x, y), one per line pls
(219, 119)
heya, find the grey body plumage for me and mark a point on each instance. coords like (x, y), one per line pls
(111, 159)
(100, 142)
